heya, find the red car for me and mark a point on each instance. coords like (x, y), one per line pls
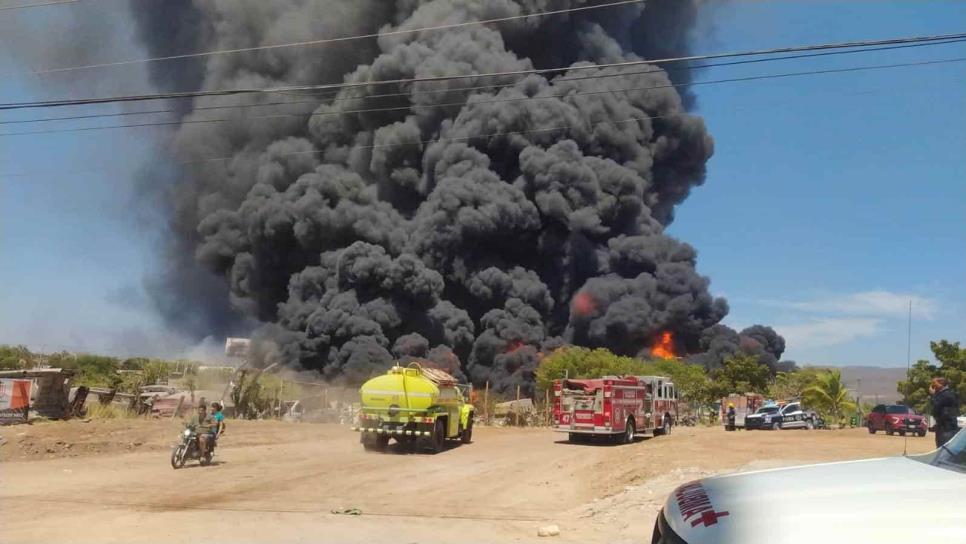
(896, 418)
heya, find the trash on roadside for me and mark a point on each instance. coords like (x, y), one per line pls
(548, 530)
(347, 511)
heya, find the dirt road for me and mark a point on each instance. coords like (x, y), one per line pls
(281, 482)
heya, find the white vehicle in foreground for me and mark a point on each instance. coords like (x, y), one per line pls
(919, 498)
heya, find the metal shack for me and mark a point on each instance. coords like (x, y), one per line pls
(50, 390)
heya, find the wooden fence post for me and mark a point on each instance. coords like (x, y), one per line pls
(486, 404)
(546, 405)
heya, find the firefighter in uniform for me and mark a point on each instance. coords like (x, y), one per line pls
(731, 417)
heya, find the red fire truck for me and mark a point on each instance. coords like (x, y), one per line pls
(619, 407)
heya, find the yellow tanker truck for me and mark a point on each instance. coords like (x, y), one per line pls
(418, 407)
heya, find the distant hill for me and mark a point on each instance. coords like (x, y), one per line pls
(875, 381)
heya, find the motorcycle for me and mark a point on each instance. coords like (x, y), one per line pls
(190, 449)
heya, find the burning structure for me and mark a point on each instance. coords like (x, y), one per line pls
(476, 221)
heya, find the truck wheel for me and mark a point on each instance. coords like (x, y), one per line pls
(378, 442)
(921, 434)
(439, 436)
(467, 435)
(889, 430)
(630, 431)
(809, 425)
(665, 427)
(871, 428)
(574, 438)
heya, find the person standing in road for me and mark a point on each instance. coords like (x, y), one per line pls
(945, 409)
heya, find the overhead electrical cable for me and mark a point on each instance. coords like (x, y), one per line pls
(38, 4)
(415, 92)
(326, 41)
(115, 167)
(494, 100)
(333, 86)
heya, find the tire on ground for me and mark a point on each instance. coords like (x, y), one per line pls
(630, 430)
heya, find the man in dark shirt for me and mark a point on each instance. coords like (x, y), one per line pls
(945, 409)
(202, 423)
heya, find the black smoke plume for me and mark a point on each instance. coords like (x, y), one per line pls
(492, 218)
(718, 343)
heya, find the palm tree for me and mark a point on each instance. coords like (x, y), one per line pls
(829, 394)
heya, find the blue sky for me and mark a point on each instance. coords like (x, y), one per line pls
(830, 202)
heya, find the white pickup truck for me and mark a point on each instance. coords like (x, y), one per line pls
(923, 499)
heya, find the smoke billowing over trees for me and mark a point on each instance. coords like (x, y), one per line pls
(478, 222)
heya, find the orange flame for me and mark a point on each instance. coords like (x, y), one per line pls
(513, 346)
(664, 348)
(583, 304)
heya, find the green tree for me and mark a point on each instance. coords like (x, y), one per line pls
(952, 366)
(791, 385)
(579, 362)
(741, 373)
(15, 357)
(94, 370)
(828, 395)
(691, 381)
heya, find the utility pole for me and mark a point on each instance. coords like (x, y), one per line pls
(905, 440)
(905, 394)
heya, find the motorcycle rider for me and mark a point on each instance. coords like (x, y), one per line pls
(218, 421)
(201, 423)
(945, 408)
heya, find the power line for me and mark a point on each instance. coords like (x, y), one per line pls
(337, 86)
(409, 107)
(327, 41)
(319, 98)
(334, 98)
(38, 4)
(115, 167)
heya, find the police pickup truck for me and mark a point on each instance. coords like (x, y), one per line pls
(774, 417)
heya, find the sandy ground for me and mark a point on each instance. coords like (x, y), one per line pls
(110, 481)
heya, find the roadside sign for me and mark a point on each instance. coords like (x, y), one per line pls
(14, 401)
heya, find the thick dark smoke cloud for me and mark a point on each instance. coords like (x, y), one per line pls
(720, 342)
(476, 223)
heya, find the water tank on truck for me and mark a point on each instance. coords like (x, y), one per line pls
(418, 407)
